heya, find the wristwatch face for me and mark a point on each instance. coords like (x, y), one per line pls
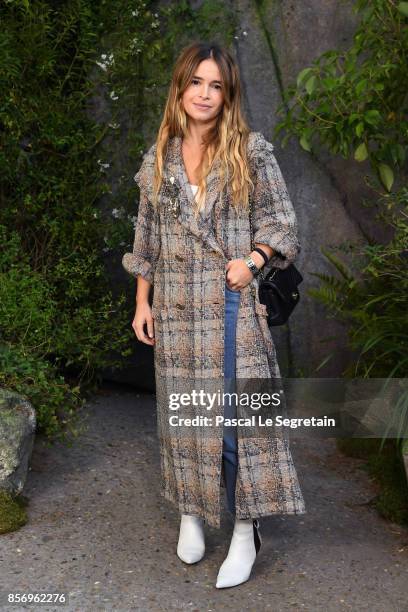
(251, 265)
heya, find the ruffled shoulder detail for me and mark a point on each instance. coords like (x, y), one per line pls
(259, 149)
(145, 175)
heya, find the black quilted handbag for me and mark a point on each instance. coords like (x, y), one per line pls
(278, 290)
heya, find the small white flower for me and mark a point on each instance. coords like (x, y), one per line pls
(102, 165)
(95, 215)
(113, 95)
(114, 126)
(135, 13)
(103, 56)
(103, 66)
(115, 213)
(245, 33)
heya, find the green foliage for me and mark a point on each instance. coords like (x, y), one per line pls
(373, 304)
(385, 464)
(354, 102)
(29, 315)
(374, 301)
(27, 304)
(55, 400)
(13, 514)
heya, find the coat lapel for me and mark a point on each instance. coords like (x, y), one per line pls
(201, 226)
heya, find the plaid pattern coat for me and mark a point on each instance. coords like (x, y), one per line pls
(185, 260)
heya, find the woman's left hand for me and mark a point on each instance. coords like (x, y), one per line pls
(238, 275)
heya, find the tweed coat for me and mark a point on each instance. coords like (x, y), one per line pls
(184, 258)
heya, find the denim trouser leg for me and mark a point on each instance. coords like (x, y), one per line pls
(230, 448)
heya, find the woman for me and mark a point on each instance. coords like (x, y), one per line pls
(206, 324)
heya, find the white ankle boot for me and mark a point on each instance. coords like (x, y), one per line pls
(191, 545)
(245, 545)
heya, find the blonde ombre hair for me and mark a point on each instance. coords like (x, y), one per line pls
(226, 141)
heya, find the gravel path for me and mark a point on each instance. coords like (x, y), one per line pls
(100, 531)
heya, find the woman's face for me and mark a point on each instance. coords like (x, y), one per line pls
(204, 90)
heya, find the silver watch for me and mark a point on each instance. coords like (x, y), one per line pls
(251, 265)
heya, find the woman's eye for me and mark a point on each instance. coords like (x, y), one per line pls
(196, 82)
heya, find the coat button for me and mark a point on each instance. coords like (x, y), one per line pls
(180, 306)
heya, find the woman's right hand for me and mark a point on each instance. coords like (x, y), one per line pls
(143, 315)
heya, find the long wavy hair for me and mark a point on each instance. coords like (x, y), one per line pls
(226, 141)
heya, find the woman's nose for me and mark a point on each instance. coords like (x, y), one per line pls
(204, 91)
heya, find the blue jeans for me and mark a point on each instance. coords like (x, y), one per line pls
(230, 447)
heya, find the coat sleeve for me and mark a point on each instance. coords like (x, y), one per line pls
(274, 220)
(147, 244)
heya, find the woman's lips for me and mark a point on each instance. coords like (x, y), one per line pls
(202, 106)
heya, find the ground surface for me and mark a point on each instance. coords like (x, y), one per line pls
(100, 531)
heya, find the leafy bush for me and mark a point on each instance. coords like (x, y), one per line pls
(354, 101)
(28, 316)
(374, 303)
